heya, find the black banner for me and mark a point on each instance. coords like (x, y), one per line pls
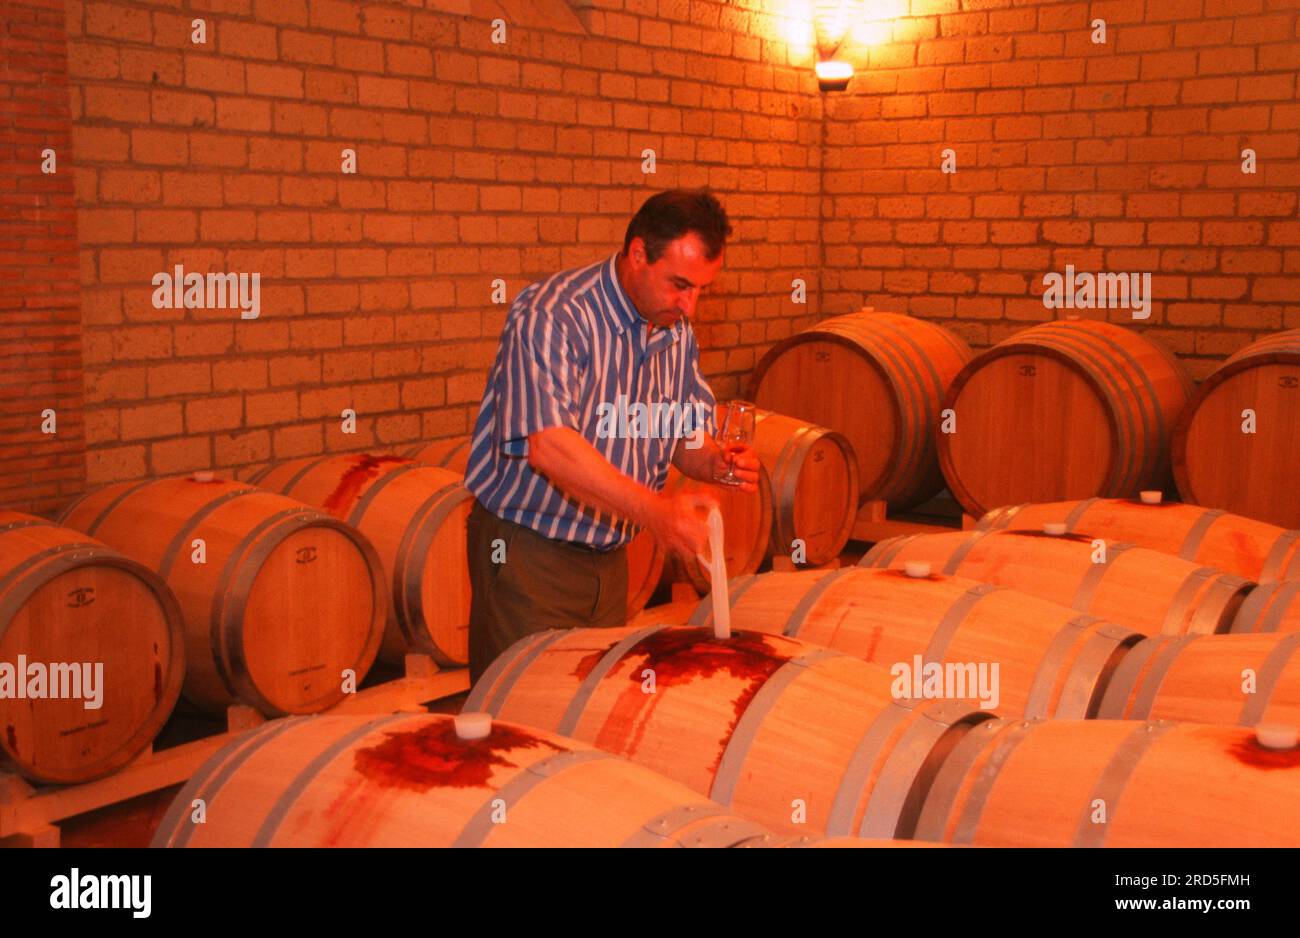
(141, 888)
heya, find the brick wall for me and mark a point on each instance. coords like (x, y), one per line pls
(40, 337)
(479, 160)
(475, 161)
(1120, 157)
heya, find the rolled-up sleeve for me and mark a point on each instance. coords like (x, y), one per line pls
(538, 386)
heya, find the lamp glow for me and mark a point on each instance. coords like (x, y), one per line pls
(833, 75)
(831, 20)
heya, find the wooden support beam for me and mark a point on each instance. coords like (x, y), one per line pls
(874, 525)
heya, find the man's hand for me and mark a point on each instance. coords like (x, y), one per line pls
(678, 522)
(574, 466)
(745, 461)
(706, 461)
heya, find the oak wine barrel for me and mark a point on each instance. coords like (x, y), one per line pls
(1146, 590)
(1217, 463)
(670, 613)
(1051, 661)
(746, 526)
(415, 515)
(1114, 783)
(1270, 607)
(450, 454)
(877, 378)
(1243, 679)
(645, 567)
(757, 722)
(813, 475)
(279, 599)
(1064, 410)
(1252, 549)
(409, 780)
(92, 653)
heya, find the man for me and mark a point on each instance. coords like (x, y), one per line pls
(558, 495)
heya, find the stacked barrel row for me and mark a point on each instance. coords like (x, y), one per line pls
(144, 591)
(433, 781)
(226, 592)
(804, 738)
(1071, 410)
(1151, 636)
(1129, 775)
(798, 738)
(662, 735)
(1063, 410)
(1112, 780)
(1166, 568)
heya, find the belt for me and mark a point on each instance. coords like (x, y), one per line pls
(584, 547)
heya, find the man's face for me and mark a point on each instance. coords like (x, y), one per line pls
(668, 289)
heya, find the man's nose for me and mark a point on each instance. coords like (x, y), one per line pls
(687, 306)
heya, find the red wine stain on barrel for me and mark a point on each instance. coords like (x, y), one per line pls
(679, 656)
(588, 661)
(1250, 752)
(876, 633)
(416, 760)
(434, 756)
(12, 737)
(688, 653)
(364, 468)
(1080, 538)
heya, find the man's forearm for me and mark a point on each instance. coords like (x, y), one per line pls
(576, 468)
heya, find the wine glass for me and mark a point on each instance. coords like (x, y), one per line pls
(737, 427)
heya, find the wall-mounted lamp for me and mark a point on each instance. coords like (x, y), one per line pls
(833, 75)
(831, 22)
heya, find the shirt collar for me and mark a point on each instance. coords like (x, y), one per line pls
(622, 315)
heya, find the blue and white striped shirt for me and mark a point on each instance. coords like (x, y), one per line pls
(574, 353)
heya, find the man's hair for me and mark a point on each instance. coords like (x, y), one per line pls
(665, 217)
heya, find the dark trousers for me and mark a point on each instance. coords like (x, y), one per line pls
(542, 584)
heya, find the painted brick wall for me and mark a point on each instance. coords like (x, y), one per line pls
(40, 336)
(1119, 157)
(475, 161)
